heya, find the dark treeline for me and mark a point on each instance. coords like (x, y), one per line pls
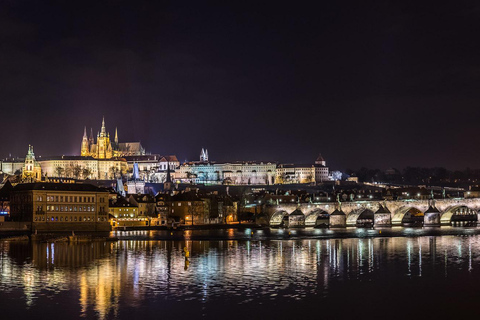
(418, 175)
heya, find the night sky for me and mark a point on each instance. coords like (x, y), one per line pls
(377, 84)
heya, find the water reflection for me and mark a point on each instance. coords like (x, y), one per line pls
(104, 279)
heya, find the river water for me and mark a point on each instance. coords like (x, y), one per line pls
(350, 278)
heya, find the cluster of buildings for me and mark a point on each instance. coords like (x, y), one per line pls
(106, 159)
(113, 184)
(48, 206)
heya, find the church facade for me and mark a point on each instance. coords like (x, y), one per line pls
(105, 148)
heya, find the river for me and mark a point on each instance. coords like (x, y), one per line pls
(260, 278)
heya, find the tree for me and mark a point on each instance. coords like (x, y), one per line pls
(336, 175)
(69, 171)
(86, 172)
(196, 209)
(190, 176)
(282, 177)
(114, 171)
(59, 171)
(76, 170)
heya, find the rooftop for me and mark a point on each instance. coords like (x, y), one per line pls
(57, 187)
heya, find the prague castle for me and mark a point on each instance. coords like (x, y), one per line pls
(104, 148)
(106, 159)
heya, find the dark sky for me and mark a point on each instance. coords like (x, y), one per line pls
(378, 84)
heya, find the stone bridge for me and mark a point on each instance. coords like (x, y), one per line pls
(448, 211)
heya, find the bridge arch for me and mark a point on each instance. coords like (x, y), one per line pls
(459, 216)
(360, 218)
(277, 218)
(407, 215)
(312, 216)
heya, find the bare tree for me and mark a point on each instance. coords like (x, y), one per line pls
(86, 172)
(114, 171)
(76, 170)
(69, 171)
(196, 209)
(59, 171)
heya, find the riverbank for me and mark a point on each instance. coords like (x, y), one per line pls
(192, 227)
(244, 232)
(267, 234)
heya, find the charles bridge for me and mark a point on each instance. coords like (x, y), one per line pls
(452, 211)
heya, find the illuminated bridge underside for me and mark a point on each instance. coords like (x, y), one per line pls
(360, 214)
(311, 218)
(277, 218)
(405, 213)
(459, 213)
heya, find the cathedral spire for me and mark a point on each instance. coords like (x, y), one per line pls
(85, 144)
(116, 136)
(103, 130)
(91, 140)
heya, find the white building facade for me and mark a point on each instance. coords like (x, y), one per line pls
(239, 173)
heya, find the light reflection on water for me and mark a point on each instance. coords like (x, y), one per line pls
(106, 280)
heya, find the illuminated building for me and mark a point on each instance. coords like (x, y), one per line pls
(32, 171)
(12, 166)
(240, 172)
(144, 202)
(152, 168)
(83, 167)
(321, 170)
(104, 148)
(250, 172)
(291, 173)
(126, 213)
(183, 207)
(204, 155)
(60, 206)
(162, 208)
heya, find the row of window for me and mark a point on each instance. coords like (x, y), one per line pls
(67, 199)
(71, 208)
(69, 219)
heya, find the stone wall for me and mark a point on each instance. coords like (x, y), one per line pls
(72, 226)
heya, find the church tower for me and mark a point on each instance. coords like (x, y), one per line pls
(104, 146)
(91, 140)
(32, 171)
(85, 152)
(168, 184)
(204, 155)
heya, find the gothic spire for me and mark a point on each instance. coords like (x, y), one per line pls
(103, 130)
(85, 132)
(116, 136)
(169, 179)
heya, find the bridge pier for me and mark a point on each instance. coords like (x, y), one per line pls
(431, 217)
(382, 217)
